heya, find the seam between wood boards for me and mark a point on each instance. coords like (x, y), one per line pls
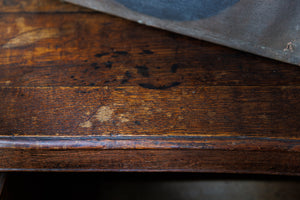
(181, 86)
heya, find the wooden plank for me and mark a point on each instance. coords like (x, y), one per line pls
(96, 49)
(90, 92)
(139, 110)
(283, 163)
(16, 6)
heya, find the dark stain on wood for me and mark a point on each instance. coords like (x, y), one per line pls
(128, 74)
(163, 87)
(142, 70)
(121, 53)
(149, 52)
(174, 68)
(137, 122)
(95, 65)
(126, 78)
(82, 92)
(108, 64)
(99, 55)
(246, 106)
(123, 81)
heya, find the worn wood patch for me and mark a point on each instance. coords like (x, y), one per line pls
(16, 6)
(143, 110)
(96, 49)
(84, 91)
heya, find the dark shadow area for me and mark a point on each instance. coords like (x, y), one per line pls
(177, 186)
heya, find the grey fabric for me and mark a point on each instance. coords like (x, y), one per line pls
(270, 28)
(181, 10)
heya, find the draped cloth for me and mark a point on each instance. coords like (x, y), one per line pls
(269, 28)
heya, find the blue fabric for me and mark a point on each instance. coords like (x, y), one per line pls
(180, 10)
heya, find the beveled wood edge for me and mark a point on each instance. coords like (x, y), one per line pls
(179, 170)
(200, 161)
(151, 142)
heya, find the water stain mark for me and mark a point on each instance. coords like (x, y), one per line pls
(28, 35)
(123, 118)
(87, 124)
(22, 26)
(104, 114)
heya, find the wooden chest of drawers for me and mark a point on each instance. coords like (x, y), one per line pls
(85, 91)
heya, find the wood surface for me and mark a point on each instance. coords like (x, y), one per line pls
(85, 91)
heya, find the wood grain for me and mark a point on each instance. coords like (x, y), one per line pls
(247, 162)
(84, 91)
(96, 49)
(180, 110)
(54, 6)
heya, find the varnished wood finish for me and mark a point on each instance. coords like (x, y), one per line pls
(16, 6)
(138, 111)
(217, 161)
(81, 90)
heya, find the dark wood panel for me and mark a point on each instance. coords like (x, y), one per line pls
(151, 160)
(85, 91)
(17, 6)
(140, 110)
(96, 49)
